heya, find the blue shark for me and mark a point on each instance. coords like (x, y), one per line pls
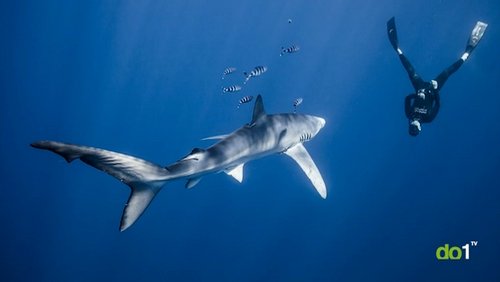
(266, 134)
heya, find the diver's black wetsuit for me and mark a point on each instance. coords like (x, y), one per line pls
(423, 105)
(425, 109)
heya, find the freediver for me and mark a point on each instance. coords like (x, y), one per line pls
(423, 105)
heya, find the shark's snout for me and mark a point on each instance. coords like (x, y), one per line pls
(322, 122)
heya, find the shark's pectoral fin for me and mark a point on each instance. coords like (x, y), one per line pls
(300, 155)
(236, 172)
(217, 137)
(192, 182)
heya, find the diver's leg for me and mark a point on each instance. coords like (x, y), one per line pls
(476, 35)
(443, 76)
(392, 33)
(416, 80)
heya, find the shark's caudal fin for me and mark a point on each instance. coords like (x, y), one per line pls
(300, 155)
(144, 178)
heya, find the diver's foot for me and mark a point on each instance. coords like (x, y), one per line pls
(476, 35)
(392, 33)
(393, 38)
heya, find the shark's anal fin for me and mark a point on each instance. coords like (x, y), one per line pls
(300, 155)
(192, 182)
(236, 172)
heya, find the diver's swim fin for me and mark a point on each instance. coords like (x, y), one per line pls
(392, 33)
(476, 35)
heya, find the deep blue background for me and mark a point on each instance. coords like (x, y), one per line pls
(144, 78)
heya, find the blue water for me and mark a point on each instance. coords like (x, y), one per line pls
(144, 78)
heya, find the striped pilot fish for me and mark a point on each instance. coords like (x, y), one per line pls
(296, 103)
(227, 71)
(232, 88)
(292, 49)
(245, 100)
(258, 70)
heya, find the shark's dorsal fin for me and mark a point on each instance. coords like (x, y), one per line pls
(236, 172)
(181, 164)
(196, 150)
(300, 155)
(258, 110)
(188, 158)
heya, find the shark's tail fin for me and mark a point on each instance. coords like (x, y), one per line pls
(144, 178)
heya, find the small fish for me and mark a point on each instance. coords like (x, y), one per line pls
(258, 70)
(244, 100)
(292, 49)
(232, 88)
(296, 103)
(289, 20)
(227, 71)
